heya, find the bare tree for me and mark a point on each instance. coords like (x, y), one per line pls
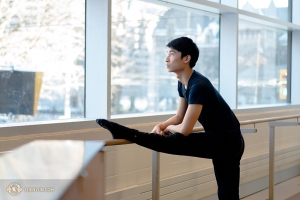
(46, 36)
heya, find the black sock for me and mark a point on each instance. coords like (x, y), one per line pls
(118, 131)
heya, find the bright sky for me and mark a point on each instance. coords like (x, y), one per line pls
(257, 4)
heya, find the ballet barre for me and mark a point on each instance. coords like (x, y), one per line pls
(273, 122)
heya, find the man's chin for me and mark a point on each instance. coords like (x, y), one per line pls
(169, 70)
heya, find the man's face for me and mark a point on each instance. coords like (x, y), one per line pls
(174, 62)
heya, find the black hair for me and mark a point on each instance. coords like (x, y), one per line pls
(186, 46)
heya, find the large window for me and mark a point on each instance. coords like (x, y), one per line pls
(262, 65)
(41, 60)
(42, 55)
(278, 9)
(140, 33)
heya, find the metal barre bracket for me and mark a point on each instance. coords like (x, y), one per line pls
(272, 126)
(248, 130)
(155, 175)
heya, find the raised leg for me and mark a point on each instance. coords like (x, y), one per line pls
(226, 151)
(171, 144)
(204, 145)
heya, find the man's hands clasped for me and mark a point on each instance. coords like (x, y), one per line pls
(158, 130)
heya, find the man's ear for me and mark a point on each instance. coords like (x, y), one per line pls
(187, 59)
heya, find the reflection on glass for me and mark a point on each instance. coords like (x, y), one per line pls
(140, 33)
(262, 65)
(271, 8)
(41, 60)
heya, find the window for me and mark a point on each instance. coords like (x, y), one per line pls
(140, 33)
(41, 60)
(262, 65)
(278, 9)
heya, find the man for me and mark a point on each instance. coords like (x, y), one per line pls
(222, 140)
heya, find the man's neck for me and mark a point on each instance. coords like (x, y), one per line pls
(184, 76)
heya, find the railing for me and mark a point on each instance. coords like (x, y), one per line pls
(273, 122)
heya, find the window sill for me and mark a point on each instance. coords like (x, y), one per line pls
(26, 128)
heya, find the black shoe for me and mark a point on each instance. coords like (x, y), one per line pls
(118, 131)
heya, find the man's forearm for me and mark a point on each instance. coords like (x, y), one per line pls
(171, 121)
(178, 129)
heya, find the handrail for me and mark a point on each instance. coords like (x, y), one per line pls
(273, 122)
(116, 142)
(197, 129)
(256, 121)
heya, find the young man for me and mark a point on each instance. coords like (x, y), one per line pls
(222, 140)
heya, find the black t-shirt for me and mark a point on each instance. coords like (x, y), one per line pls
(216, 116)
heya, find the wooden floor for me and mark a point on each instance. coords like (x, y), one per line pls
(288, 190)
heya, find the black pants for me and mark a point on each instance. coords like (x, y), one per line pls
(225, 150)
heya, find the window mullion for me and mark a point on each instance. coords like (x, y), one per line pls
(98, 23)
(295, 63)
(228, 58)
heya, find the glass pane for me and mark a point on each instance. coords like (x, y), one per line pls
(277, 9)
(41, 60)
(140, 33)
(262, 65)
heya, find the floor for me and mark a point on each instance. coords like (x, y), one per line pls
(288, 190)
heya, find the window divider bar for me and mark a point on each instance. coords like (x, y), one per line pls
(229, 58)
(97, 75)
(289, 66)
(295, 12)
(295, 69)
(295, 52)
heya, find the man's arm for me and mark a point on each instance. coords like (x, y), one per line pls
(189, 120)
(176, 119)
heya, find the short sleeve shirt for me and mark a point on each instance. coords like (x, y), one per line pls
(216, 116)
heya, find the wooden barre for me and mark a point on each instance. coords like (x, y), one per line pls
(116, 142)
(198, 129)
(256, 121)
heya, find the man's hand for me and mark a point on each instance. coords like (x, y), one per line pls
(166, 132)
(157, 129)
(169, 130)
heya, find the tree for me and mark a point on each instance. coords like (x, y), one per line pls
(46, 36)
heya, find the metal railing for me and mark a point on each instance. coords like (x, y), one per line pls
(273, 122)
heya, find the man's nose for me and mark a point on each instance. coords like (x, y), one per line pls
(167, 59)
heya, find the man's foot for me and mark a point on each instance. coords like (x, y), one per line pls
(118, 131)
(102, 122)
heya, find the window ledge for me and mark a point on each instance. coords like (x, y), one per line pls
(26, 128)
